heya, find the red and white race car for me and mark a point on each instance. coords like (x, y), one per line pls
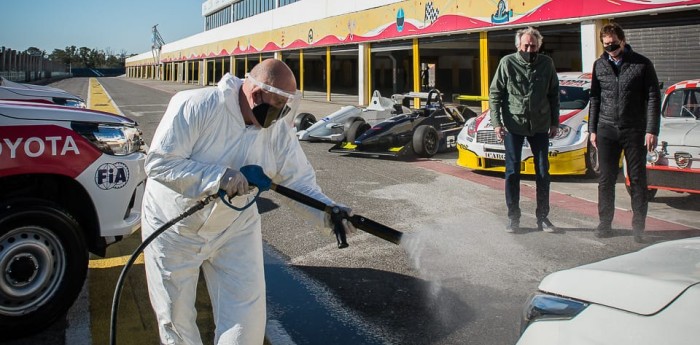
(569, 151)
(71, 182)
(675, 164)
(12, 91)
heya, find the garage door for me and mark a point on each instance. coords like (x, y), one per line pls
(670, 40)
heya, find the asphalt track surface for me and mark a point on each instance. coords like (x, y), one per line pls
(457, 278)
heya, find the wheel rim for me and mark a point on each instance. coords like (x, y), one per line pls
(31, 269)
(431, 142)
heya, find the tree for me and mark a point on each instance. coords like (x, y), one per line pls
(34, 51)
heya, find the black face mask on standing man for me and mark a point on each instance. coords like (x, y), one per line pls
(611, 48)
(527, 56)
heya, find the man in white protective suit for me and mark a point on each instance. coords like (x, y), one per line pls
(203, 140)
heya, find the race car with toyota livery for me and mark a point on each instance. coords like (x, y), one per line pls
(71, 182)
(675, 164)
(422, 132)
(570, 153)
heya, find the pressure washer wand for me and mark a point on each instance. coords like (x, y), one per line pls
(380, 230)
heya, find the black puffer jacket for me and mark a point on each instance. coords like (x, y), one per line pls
(628, 99)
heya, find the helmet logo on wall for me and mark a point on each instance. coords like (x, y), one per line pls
(431, 13)
(399, 20)
(352, 24)
(310, 38)
(502, 15)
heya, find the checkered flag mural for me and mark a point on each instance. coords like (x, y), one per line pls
(431, 13)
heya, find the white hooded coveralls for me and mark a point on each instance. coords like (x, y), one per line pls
(201, 134)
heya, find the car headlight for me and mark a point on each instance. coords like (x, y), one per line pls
(653, 157)
(562, 132)
(549, 307)
(75, 103)
(112, 139)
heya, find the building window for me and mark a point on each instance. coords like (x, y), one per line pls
(287, 2)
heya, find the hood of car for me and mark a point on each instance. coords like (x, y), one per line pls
(50, 112)
(10, 91)
(642, 282)
(682, 132)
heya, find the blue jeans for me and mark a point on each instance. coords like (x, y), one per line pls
(539, 144)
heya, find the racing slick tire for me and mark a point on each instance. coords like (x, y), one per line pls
(592, 165)
(43, 265)
(304, 121)
(355, 130)
(425, 141)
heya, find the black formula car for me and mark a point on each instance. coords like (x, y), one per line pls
(422, 132)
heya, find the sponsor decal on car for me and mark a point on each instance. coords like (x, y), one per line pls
(112, 175)
(37, 146)
(495, 155)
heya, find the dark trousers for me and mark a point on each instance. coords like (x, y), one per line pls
(612, 142)
(539, 144)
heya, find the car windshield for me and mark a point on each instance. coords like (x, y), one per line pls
(571, 97)
(682, 103)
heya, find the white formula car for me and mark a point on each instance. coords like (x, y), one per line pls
(334, 127)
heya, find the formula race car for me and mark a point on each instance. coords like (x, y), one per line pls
(569, 151)
(675, 164)
(12, 91)
(334, 127)
(423, 132)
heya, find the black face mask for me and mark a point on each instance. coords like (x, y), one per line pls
(261, 112)
(527, 56)
(611, 48)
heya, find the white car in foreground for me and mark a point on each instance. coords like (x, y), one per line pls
(647, 297)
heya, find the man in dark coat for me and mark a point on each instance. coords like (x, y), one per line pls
(624, 117)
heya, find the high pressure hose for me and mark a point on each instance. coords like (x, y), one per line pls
(120, 282)
(336, 213)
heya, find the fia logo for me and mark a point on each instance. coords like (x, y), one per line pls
(112, 175)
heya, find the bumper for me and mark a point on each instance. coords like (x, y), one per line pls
(560, 162)
(117, 201)
(673, 179)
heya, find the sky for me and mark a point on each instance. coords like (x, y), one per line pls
(121, 26)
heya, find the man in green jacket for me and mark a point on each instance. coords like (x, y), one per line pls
(524, 102)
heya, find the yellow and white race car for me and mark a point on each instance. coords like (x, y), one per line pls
(569, 151)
